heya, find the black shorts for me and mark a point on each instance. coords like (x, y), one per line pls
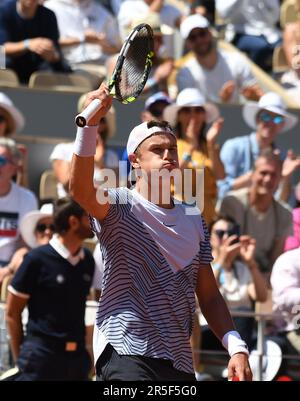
(114, 367)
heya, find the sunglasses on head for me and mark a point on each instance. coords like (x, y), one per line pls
(266, 118)
(43, 227)
(4, 160)
(2, 119)
(199, 34)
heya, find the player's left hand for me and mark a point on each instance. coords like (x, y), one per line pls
(239, 367)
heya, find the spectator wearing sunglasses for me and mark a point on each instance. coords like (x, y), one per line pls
(221, 76)
(36, 229)
(15, 201)
(239, 281)
(238, 277)
(267, 118)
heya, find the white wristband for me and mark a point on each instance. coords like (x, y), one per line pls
(85, 142)
(233, 343)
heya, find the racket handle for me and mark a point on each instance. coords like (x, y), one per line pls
(82, 118)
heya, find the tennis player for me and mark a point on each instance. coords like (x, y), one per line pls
(156, 256)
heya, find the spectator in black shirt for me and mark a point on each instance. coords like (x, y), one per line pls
(29, 34)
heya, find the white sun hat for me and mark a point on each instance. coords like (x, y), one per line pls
(270, 102)
(142, 132)
(192, 22)
(16, 119)
(190, 97)
(271, 361)
(29, 222)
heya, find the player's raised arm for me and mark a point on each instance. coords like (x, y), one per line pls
(82, 168)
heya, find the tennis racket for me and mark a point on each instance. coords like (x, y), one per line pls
(130, 73)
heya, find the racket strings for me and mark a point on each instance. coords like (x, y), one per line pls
(136, 66)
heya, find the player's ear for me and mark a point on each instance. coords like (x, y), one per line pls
(134, 160)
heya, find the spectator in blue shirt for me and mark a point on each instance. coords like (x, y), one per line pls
(29, 34)
(268, 118)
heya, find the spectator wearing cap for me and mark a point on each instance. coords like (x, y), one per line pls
(36, 229)
(61, 155)
(218, 74)
(12, 121)
(252, 27)
(53, 281)
(155, 106)
(267, 118)
(15, 201)
(198, 149)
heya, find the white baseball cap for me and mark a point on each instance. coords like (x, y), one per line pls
(272, 102)
(142, 132)
(192, 22)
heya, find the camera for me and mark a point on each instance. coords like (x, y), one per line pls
(235, 230)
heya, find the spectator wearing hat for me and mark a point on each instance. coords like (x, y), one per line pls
(15, 201)
(198, 149)
(267, 118)
(61, 155)
(12, 121)
(53, 281)
(29, 35)
(219, 75)
(36, 229)
(252, 27)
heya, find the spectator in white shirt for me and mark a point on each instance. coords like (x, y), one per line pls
(251, 26)
(219, 75)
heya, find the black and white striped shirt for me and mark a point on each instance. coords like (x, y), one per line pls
(150, 272)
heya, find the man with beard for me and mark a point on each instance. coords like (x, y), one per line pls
(218, 74)
(53, 282)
